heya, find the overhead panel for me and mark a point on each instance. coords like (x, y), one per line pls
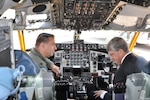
(87, 14)
(80, 15)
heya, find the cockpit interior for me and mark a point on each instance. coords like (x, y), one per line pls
(83, 65)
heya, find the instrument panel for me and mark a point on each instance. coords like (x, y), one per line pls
(78, 57)
(81, 64)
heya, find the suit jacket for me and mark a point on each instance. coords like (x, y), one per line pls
(147, 68)
(131, 64)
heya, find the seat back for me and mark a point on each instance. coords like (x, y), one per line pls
(22, 58)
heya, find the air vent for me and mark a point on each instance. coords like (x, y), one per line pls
(39, 1)
(16, 1)
(39, 8)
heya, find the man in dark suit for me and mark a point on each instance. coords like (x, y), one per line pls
(128, 63)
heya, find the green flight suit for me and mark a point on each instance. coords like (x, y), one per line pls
(44, 87)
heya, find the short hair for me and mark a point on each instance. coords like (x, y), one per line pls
(117, 43)
(43, 37)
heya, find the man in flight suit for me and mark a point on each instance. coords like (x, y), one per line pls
(44, 48)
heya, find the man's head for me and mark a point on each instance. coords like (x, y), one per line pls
(117, 48)
(45, 44)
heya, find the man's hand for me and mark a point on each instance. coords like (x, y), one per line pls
(99, 93)
(55, 69)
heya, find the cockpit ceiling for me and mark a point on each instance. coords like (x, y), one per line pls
(128, 15)
(131, 18)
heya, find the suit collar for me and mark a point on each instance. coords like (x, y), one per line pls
(125, 57)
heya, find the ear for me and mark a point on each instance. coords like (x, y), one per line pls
(42, 45)
(121, 51)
